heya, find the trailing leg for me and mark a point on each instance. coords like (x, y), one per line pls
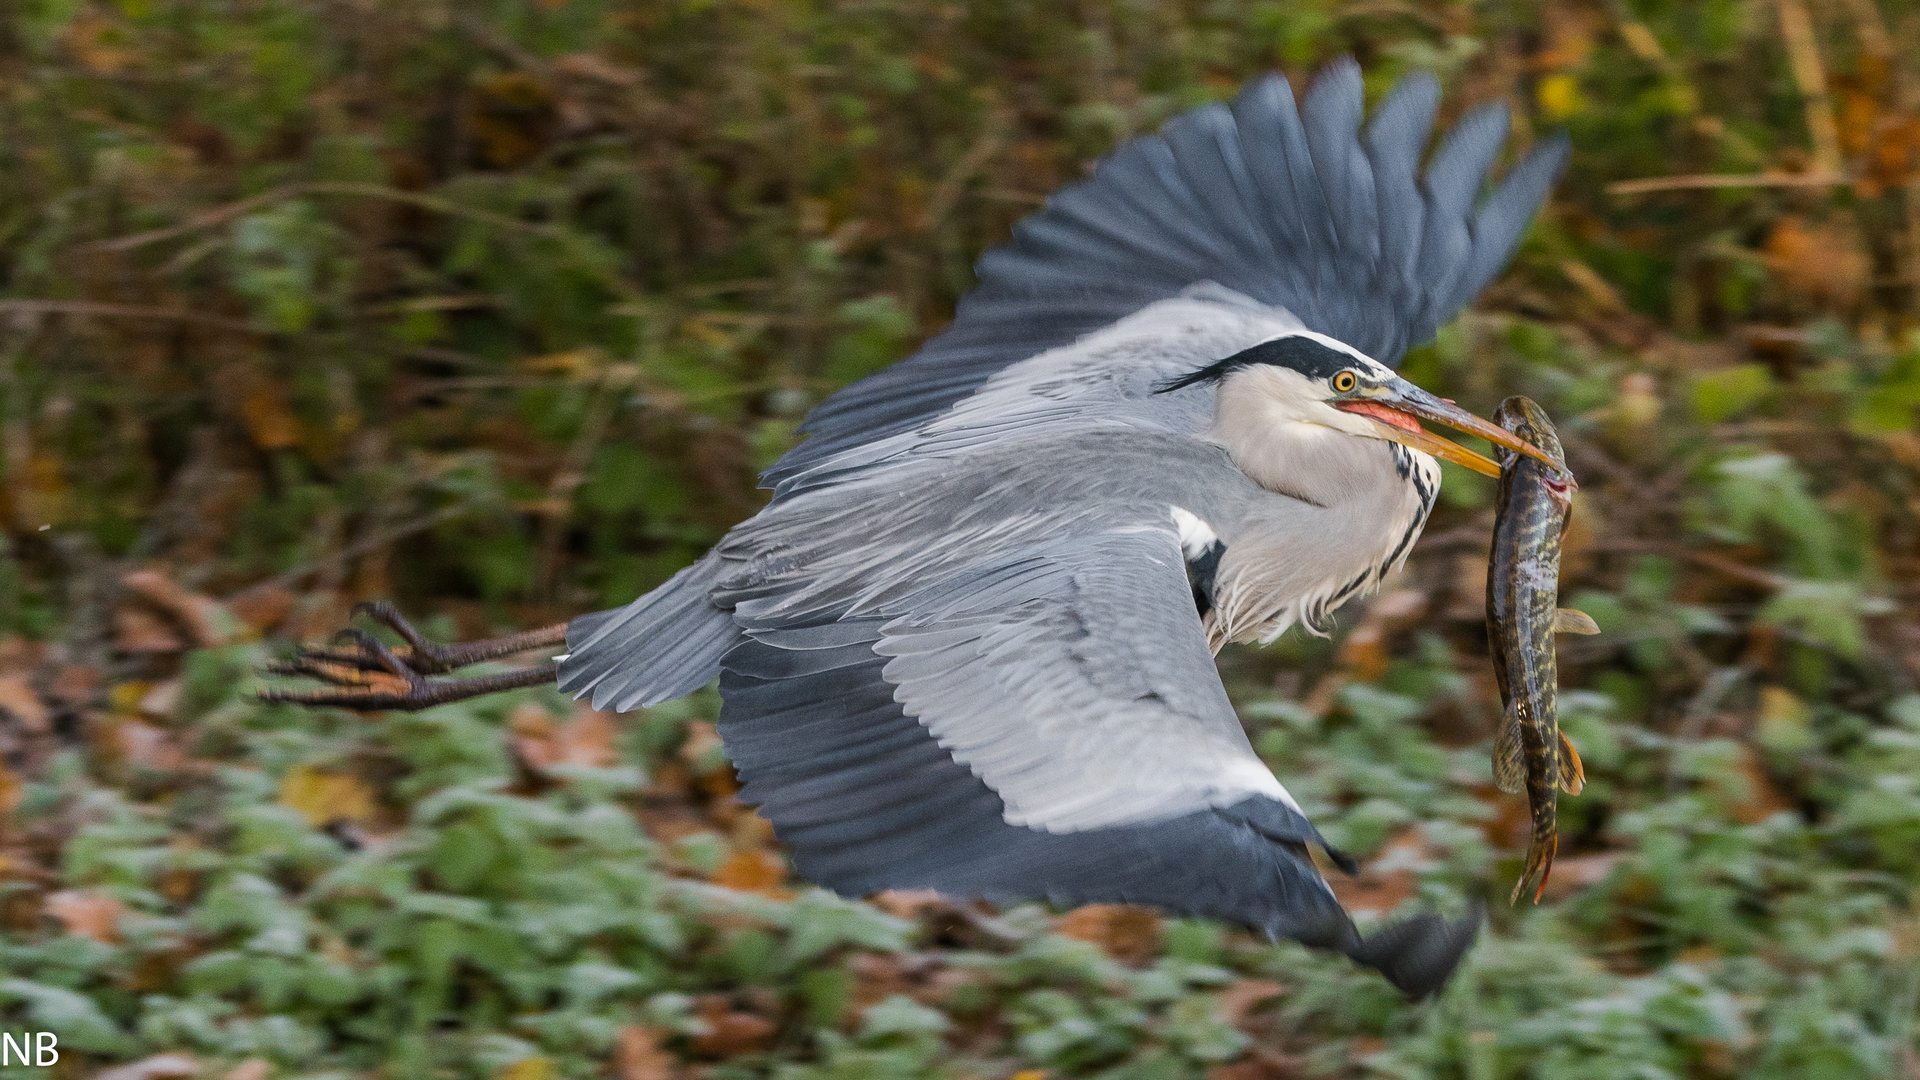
(365, 674)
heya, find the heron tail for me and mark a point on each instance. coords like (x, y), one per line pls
(663, 645)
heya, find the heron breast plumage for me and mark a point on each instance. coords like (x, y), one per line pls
(1273, 573)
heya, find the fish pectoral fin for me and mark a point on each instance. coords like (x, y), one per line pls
(1509, 757)
(1573, 775)
(1568, 621)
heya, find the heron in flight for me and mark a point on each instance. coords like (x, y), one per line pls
(969, 644)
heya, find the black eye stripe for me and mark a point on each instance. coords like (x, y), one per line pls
(1302, 354)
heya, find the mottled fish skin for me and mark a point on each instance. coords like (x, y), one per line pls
(1523, 588)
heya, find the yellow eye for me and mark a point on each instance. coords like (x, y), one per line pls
(1344, 381)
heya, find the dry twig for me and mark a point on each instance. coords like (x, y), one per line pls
(1709, 181)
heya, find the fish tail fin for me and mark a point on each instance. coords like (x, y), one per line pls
(1573, 775)
(1538, 869)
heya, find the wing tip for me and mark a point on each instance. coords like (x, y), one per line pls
(1420, 953)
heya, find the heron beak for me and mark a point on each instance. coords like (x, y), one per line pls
(1399, 406)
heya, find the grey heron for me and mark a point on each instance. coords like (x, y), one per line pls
(969, 644)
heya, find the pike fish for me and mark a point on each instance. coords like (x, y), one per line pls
(1523, 614)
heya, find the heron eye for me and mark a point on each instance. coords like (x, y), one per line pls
(1344, 381)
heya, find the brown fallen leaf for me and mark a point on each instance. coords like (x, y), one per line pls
(98, 41)
(178, 884)
(137, 630)
(201, 616)
(638, 1055)
(701, 750)
(17, 697)
(264, 411)
(1896, 150)
(322, 796)
(317, 616)
(262, 607)
(19, 865)
(588, 738)
(876, 977)
(18, 655)
(250, 1069)
(730, 1032)
(1374, 893)
(1243, 996)
(1125, 932)
(1510, 823)
(1581, 872)
(913, 904)
(162, 699)
(11, 791)
(1390, 879)
(751, 871)
(149, 747)
(75, 684)
(87, 913)
(1819, 262)
(1364, 652)
(1753, 795)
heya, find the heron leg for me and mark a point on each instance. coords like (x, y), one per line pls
(364, 674)
(432, 659)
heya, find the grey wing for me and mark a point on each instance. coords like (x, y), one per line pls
(1074, 678)
(1059, 698)
(1047, 725)
(1294, 207)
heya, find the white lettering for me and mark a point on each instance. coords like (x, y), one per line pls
(30, 1048)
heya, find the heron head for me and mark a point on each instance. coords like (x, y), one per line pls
(1309, 378)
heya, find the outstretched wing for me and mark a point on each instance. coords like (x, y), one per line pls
(1047, 725)
(1300, 208)
(1006, 731)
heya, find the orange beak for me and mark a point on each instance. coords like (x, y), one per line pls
(1398, 406)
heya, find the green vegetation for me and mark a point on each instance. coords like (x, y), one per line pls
(495, 308)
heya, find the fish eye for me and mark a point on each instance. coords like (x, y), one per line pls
(1345, 381)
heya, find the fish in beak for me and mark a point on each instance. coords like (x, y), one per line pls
(1398, 406)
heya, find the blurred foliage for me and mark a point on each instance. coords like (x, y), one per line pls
(497, 307)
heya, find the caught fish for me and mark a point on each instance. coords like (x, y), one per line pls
(1523, 590)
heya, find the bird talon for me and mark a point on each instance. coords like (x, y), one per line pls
(373, 691)
(424, 655)
(357, 699)
(332, 671)
(379, 657)
(358, 660)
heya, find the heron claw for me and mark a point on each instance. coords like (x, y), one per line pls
(363, 673)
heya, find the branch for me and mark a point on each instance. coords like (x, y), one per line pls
(1705, 181)
(127, 311)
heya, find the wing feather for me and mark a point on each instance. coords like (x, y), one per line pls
(870, 799)
(1086, 698)
(1292, 207)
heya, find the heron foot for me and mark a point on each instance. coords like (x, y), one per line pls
(365, 674)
